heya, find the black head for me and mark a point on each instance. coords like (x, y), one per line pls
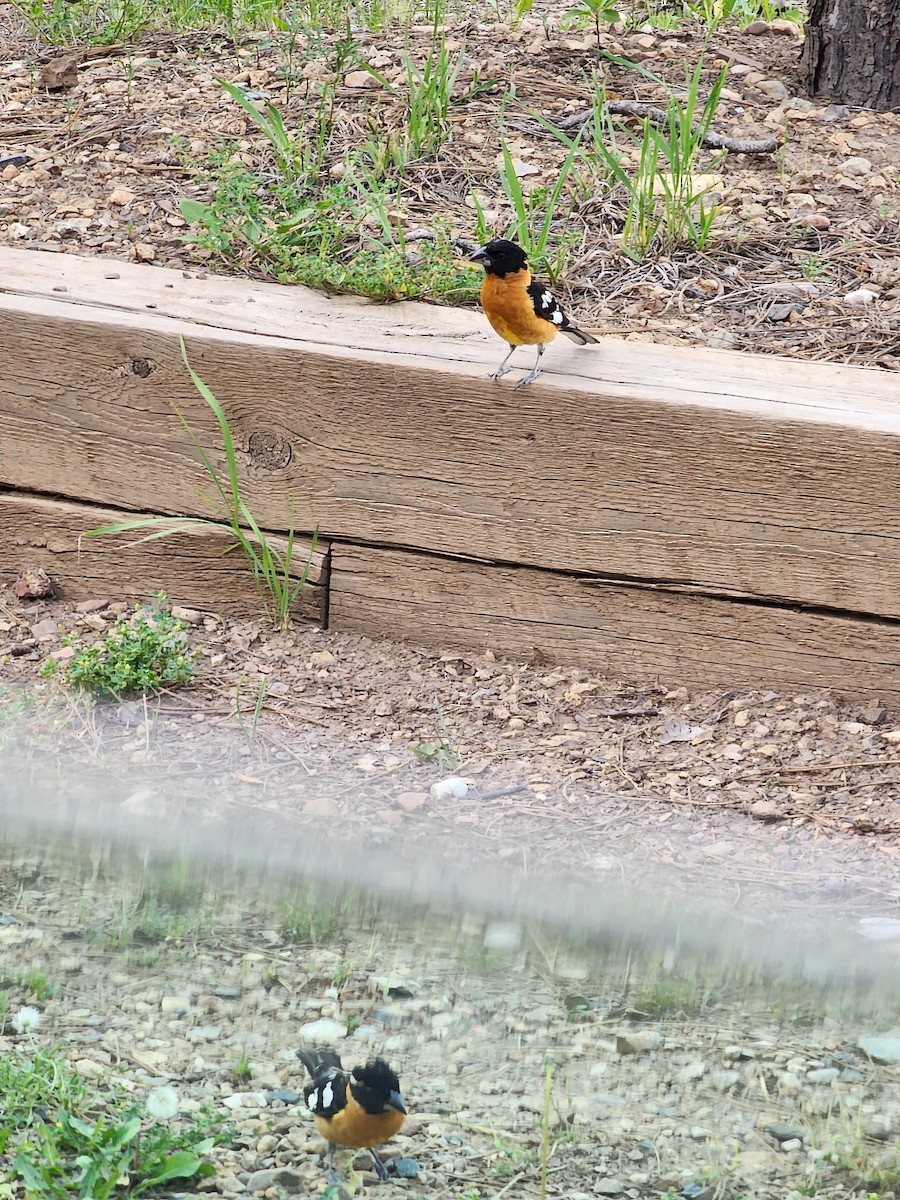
(377, 1087)
(501, 257)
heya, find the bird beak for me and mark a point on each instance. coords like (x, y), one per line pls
(396, 1102)
(480, 256)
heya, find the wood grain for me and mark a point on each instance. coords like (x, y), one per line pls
(192, 568)
(710, 471)
(628, 632)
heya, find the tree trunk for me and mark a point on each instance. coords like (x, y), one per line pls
(852, 52)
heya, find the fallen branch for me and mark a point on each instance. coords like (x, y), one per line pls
(633, 108)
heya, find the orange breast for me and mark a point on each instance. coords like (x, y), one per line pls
(352, 1126)
(510, 310)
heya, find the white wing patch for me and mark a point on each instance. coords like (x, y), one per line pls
(312, 1101)
(327, 1096)
(547, 306)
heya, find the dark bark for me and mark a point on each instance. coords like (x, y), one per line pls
(852, 52)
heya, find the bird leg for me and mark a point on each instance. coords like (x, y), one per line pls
(535, 370)
(380, 1169)
(503, 368)
(333, 1176)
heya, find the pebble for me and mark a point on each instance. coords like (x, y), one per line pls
(774, 89)
(323, 1032)
(638, 1043)
(856, 165)
(860, 298)
(277, 1177)
(882, 1049)
(609, 1186)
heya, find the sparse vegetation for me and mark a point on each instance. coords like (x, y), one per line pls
(62, 1137)
(142, 653)
(270, 559)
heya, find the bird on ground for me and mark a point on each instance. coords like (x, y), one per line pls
(523, 311)
(360, 1108)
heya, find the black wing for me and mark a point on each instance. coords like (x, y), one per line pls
(546, 305)
(327, 1094)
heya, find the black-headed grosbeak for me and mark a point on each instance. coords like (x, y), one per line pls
(360, 1108)
(523, 311)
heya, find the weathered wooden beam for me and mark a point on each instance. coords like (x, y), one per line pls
(718, 472)
(194, 568)
(627, 631)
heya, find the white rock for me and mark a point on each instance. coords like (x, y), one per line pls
(323, 1031)
(454, 787)
(860, 298)
(856, 165)
(503, 935)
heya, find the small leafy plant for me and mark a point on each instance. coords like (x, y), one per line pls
(142, 653)
(63, 1138)
(442, 752)
(597, 11)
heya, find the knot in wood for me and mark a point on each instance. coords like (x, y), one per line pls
(270, 450)
(141, 367)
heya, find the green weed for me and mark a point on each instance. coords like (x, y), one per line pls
(270, 561)
(595, 11)
(537, 214)
(62, 1138)
(442, 751)
(305, 920)
(665, 192)
(142, 653)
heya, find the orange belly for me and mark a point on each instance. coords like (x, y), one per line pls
(354, 1127)
(514, 320)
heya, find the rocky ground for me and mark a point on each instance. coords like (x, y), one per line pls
(675, 1068)
(513, 786)
(671, 1077)
(805, 260)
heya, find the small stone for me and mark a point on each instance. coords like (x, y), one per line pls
(882, 1049)
(503, 935)
(411, 801)
(774, 89)
(179, 1005)
(783, 26)
(190, 616)
(822, 1075)
(860, 298)
(757, 28)
(690, 1072)
(321, 658)
(784, 1133)
(320, 806)
(764, 810)
(144, 252)
(813, 220)
(276, 1177)
(204, 1033)
(323, 1031)
(723, 1080)
(120, 196)
(246, 1100)
(360, 79)
(856, 166)
(638, 1043)
(609, 1186)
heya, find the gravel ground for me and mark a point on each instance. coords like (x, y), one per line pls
(666, 838)
(805, 260)
(670, 1072)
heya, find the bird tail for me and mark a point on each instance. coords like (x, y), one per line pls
(319, 1063)
(579, 336)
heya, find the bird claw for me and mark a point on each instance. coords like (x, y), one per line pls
(530, 378)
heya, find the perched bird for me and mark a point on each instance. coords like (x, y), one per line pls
(521, 310)
(360, 1108)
